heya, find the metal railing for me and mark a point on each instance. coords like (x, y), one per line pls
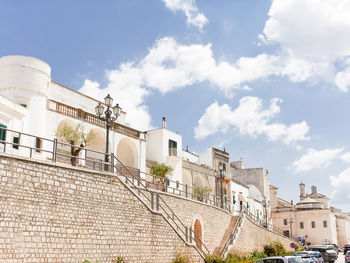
(265, 224)
(56, 151)
(157, 202)
(167, 185)
(232, 236)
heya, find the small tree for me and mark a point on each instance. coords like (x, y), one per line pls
(201, 193)
(77, 138)
(160, 170)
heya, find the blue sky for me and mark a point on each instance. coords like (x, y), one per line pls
(266, 79)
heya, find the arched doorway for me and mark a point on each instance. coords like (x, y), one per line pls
(127, 153)
(198, 233)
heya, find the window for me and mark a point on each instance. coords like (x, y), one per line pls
(285, 222)
(233, 198)
(38, 145)
(313, 224)
(301, 225)
(240, 205)
(2, 132)
(172, 148)
(286, 233)
(324, 223)
(15, 141)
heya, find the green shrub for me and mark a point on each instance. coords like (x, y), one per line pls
(119, 259)
(269, 250)
(181, 257)
(214, 259)
(274, 249)
(256, 254)
(279, 248)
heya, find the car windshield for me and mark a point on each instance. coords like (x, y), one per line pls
(295, 260)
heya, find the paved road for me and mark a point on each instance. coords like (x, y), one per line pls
(341, 258)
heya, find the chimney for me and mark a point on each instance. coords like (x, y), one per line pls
(302, 189)
(164, 122)
(313, 189)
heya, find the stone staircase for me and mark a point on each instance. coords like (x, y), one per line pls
(226, 234)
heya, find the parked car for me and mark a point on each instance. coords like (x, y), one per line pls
(347, 257)
(328, 253)
(317, 256)
(281, 259)
(346, 248)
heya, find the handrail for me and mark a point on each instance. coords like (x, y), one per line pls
(266, 225)
(172, 216)
(231, 237)
(202, 197)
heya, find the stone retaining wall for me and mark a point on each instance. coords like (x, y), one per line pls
(214, 221)
(252, 237)
(55, 213)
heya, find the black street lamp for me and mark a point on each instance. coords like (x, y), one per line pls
(290, 224)
(108, 117)
(222, 173)
(265, 205)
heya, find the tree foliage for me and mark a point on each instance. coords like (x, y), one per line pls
(77, 137)
(161, 170)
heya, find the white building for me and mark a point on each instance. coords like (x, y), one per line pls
(31, 102)
(312, 218)
(165, 146)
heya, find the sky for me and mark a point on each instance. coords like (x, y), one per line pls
(268, 80)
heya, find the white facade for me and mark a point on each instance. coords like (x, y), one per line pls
(32, 103)
(165, 146)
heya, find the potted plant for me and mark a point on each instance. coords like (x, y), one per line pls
(159, 172)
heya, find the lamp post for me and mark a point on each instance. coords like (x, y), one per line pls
(265, 205)
(222, 173)
(290, 223)
(108, 117)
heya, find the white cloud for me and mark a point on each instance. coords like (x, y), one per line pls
(341, 185)
(249, 118)
(169, 66)
(313, 36)
(124, 85)
(316, 159)
(342, 80)
(194, 17)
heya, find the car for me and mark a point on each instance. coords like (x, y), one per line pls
(315, 255)
(347, 257)
(346, 248)
(327, 251)
(281, 259)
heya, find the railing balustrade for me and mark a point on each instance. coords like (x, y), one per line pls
(91, 118)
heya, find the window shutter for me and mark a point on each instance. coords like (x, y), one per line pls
(3, 132)
(175, 148)
(15, 140)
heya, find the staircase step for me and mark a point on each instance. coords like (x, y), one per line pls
(230, 228)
